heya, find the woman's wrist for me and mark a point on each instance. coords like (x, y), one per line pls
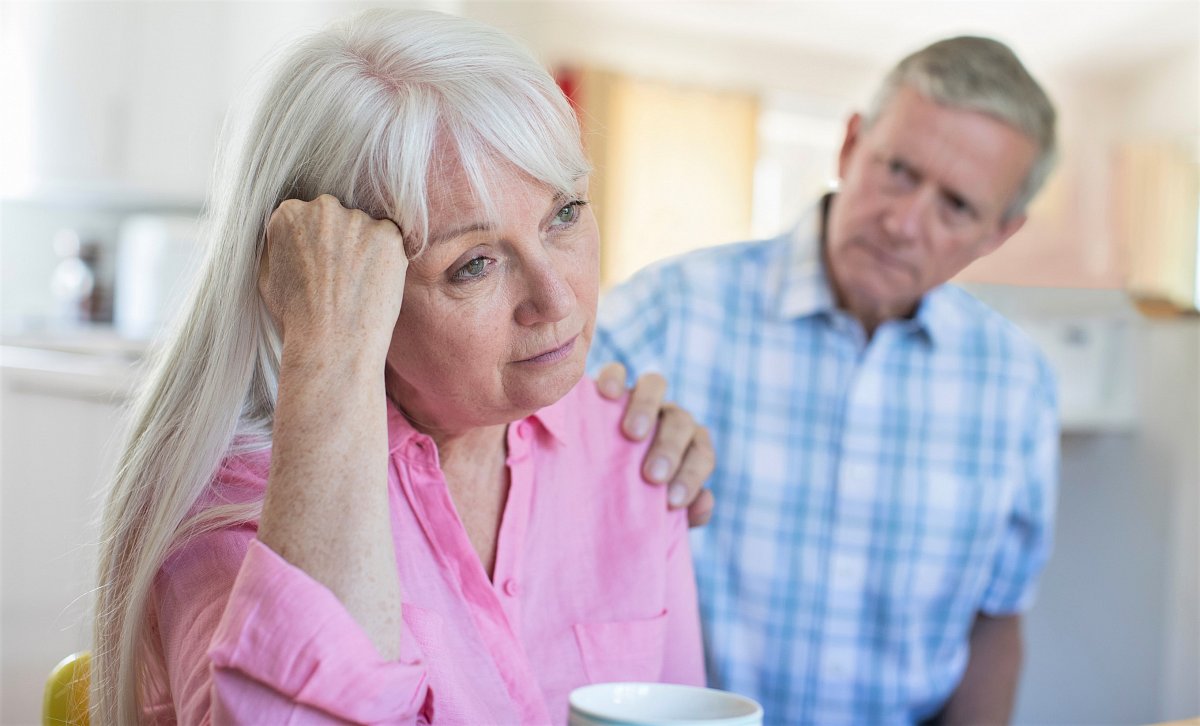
(327, 357)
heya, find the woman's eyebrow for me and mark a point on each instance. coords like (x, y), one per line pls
(458, 232)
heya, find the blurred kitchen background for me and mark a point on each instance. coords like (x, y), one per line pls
(708, 122)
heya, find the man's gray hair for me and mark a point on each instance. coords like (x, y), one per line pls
(984, 75)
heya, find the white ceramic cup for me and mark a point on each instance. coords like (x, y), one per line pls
(660, 704)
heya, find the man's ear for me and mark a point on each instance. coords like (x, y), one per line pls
(853, 129)
(1006, 229)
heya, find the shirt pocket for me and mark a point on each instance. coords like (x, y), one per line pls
(624, 650)
(957, 537)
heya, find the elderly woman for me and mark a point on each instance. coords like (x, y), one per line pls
(367, 481)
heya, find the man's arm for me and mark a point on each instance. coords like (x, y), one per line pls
(989, 686)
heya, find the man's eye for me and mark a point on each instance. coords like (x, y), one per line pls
(473, 270)
(897, 167)
(959, 207)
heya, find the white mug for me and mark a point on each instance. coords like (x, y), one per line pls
(660, 704)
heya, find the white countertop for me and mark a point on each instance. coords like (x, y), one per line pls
(80, 373)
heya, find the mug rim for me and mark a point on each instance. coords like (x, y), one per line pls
(752, 717)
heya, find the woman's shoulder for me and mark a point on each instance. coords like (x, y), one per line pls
(594, 477)
(242, 475)
(588, 427)
(237, 486)
(587, 416)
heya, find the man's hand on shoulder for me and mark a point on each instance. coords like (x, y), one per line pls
(681, 453)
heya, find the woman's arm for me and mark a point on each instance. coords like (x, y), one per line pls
(333, 282)
(247, 637)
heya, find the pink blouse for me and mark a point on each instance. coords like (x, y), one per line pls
(593, 582)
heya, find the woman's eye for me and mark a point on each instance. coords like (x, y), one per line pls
(569, 213)
(473, 270)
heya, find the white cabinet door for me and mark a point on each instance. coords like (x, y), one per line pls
(117, 101)
(177, 96)
(58, 445)
(70, 91)
(124, 101)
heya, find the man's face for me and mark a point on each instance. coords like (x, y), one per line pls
(923, 193)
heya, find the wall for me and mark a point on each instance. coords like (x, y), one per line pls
(674, 167)
(1115, 636)
(1067, 240)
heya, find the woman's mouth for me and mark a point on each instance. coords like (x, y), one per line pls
(553, 355)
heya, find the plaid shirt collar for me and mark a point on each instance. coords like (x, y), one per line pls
(802, 288)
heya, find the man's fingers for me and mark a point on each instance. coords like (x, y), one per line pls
(645, 403)
(676, 429)
(611, 381)
(700, 510)
(697, 466)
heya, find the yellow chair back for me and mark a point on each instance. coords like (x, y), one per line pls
(66, 698)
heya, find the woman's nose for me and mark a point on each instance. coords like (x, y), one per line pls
(548, 296)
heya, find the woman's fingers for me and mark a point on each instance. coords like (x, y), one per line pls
(327, 269)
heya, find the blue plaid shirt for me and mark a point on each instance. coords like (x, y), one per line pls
(871, 497)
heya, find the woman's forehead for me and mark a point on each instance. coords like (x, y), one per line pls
(488, 189)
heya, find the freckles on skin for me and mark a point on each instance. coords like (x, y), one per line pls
(437, 332)
(455, 359)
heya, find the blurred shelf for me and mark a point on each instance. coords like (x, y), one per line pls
(103, 196)
(71, 375)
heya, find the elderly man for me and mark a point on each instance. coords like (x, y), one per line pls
(887, 445)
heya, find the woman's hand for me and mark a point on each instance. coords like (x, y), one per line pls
(332, 276)
(333, 280)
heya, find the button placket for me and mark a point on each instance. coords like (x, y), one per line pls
(510, 587)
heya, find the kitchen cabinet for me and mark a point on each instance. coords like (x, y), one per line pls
(1157, 194)
(120, 100)
(121, 104)
(60, 429)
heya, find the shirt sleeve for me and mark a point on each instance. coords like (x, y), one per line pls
(632, 323)
(683, 661)
(1029, 534)
(249, 638)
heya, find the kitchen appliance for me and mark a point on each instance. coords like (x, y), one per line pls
(157, 257)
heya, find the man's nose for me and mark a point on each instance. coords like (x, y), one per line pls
(909, 215)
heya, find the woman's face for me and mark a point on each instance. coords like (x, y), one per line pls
(498, 313)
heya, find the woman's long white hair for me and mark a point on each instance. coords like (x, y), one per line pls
(354, 111)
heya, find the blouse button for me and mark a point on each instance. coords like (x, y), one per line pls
(523, 430)
(510, 587)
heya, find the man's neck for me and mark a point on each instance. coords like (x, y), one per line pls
(868, 316)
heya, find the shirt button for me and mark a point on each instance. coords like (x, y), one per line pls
(510, 587)
(523, 430)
